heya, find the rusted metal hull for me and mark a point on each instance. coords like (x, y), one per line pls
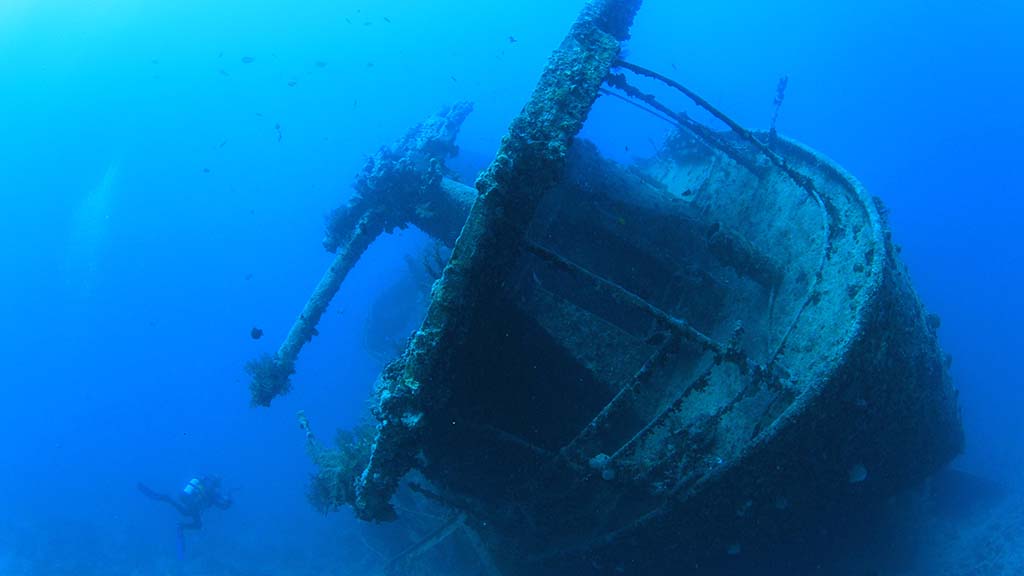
(842, 396)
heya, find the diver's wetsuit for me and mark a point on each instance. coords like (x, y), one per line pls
(197, 497)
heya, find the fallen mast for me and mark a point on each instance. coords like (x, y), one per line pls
(403, 184)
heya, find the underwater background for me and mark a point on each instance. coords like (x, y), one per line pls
(166, 169)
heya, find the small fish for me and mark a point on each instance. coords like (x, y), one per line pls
(248, 59)
(279, 134)
(154, 61)
(256, 333)
(454, 79)
(223, 72)
(222, 143)
(248, 276)
(349, 20)
(512, 40)
(388, 20)
(206, 170)
(292, 83)
(320, 64)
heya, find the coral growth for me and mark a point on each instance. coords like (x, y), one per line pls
(270, 377)
(333, 484)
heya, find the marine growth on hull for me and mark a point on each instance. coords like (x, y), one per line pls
(624, 367)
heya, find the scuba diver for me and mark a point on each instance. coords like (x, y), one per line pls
(199, 495)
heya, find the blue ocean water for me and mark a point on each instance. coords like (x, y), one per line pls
(165, 170)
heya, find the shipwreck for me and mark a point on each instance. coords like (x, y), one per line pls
(624, 368)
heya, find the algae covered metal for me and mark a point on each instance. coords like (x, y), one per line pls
(623, 368)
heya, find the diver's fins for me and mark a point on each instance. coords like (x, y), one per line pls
(181, 544)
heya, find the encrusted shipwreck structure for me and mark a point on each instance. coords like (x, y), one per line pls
(625, 368)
